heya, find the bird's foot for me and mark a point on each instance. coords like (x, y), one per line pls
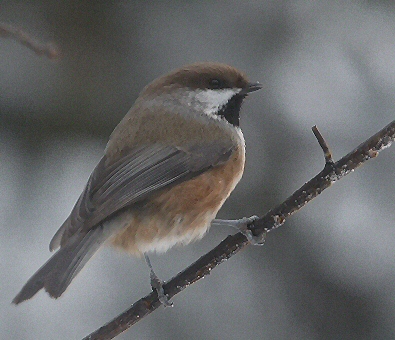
(157, 285)
(243, 225)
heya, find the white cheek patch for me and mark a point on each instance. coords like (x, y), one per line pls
(211, 101)
(206, 101)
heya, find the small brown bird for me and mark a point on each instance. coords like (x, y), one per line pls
(167, 169)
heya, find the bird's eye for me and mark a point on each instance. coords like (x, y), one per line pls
(215, 84)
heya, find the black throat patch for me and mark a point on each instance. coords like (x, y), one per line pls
(231, 110)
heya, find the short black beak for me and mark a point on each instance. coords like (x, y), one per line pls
(251, 87)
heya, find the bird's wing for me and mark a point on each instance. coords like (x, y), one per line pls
(140, 173)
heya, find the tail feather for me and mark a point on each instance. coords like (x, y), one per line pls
(58, 272)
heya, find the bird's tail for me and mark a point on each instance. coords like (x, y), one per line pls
(58, 272)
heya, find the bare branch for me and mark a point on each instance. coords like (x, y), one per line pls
(331, 173)
(49, 50)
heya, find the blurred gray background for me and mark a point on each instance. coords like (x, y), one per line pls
(327, 274)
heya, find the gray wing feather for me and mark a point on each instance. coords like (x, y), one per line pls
(132, 178)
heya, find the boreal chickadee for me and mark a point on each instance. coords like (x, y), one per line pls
(167, 169)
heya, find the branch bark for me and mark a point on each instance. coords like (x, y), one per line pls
(332, 172)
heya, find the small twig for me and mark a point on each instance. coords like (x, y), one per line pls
(49, 50)
(323, 144)
(331, 173)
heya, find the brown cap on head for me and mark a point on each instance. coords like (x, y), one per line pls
(206, 75)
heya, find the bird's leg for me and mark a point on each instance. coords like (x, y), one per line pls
(157, 284)
(242, 225)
